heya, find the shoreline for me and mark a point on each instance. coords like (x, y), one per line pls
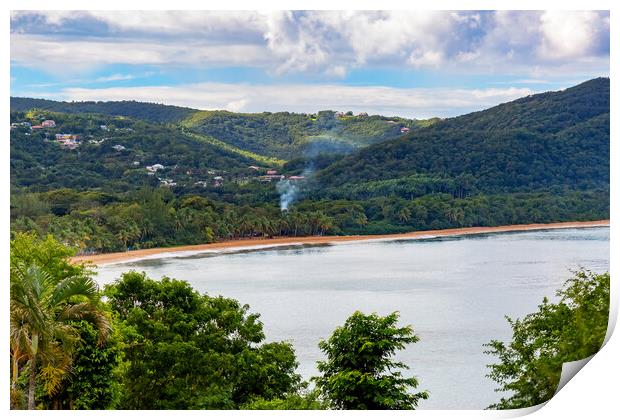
(257, 243)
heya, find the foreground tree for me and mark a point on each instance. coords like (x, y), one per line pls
(184, 350)
(302, 399)
(93, 381)
(530, 366)
(47, 296)
(359, 373)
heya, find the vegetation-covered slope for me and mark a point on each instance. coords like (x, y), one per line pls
(540, 159)
(286, 135)
(113, 153)
(140, 110)
(551, 139)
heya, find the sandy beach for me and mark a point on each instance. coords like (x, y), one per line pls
(116, 257)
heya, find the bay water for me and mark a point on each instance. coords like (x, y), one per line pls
(454, 291)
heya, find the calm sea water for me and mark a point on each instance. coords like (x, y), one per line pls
(453, 291)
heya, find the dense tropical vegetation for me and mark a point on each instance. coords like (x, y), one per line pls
(543, 158)
(529, 367)
(162, 345)
(49, 299)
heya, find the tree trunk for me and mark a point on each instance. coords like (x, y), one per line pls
(15, 371)
(32, 383)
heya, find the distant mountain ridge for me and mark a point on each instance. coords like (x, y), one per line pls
(146, 111)
(281, 135)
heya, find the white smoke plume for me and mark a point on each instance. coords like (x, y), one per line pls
(288, 192)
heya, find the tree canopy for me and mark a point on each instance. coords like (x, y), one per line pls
(185, 350)
(529, 366)
(48, 297)
(359, 372)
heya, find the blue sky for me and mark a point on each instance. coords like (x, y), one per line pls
(408, 63)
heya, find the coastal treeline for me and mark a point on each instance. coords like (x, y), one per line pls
(141, 343)
(153, 217)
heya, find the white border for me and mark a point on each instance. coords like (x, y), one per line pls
(592, 393)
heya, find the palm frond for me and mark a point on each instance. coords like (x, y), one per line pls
(52, 378)
(76, 286)
(91, 313)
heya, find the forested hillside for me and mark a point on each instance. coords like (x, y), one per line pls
(112, 154)
(547, 112)
(286, 135)
(140, 110)
(555, 139)
(111, 183)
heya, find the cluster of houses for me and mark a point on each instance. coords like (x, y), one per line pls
(69, 141)
(66, 141)
(44, 124)
(272, 175)
(340, 114)
(72, 141)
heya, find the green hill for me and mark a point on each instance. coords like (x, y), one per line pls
(140, 110)
(543, 158)
(287, 135)
(554, 139)
(278, 136)
(38, 162)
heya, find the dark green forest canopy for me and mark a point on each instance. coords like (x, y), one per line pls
(550, 139)
(141, 110)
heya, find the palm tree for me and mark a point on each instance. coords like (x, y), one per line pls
(324, 223)
(42, 308)
(404, 214)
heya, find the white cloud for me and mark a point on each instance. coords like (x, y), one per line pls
(535, 46)
(297, 46)
(157, 21)
(115, 77)
(338, 72)
(328, 42)
(569, 34)
(71, 56)
(417, 102)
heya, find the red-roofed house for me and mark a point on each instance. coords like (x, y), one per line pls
(48, 123)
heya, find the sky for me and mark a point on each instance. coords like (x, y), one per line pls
(414, 64)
